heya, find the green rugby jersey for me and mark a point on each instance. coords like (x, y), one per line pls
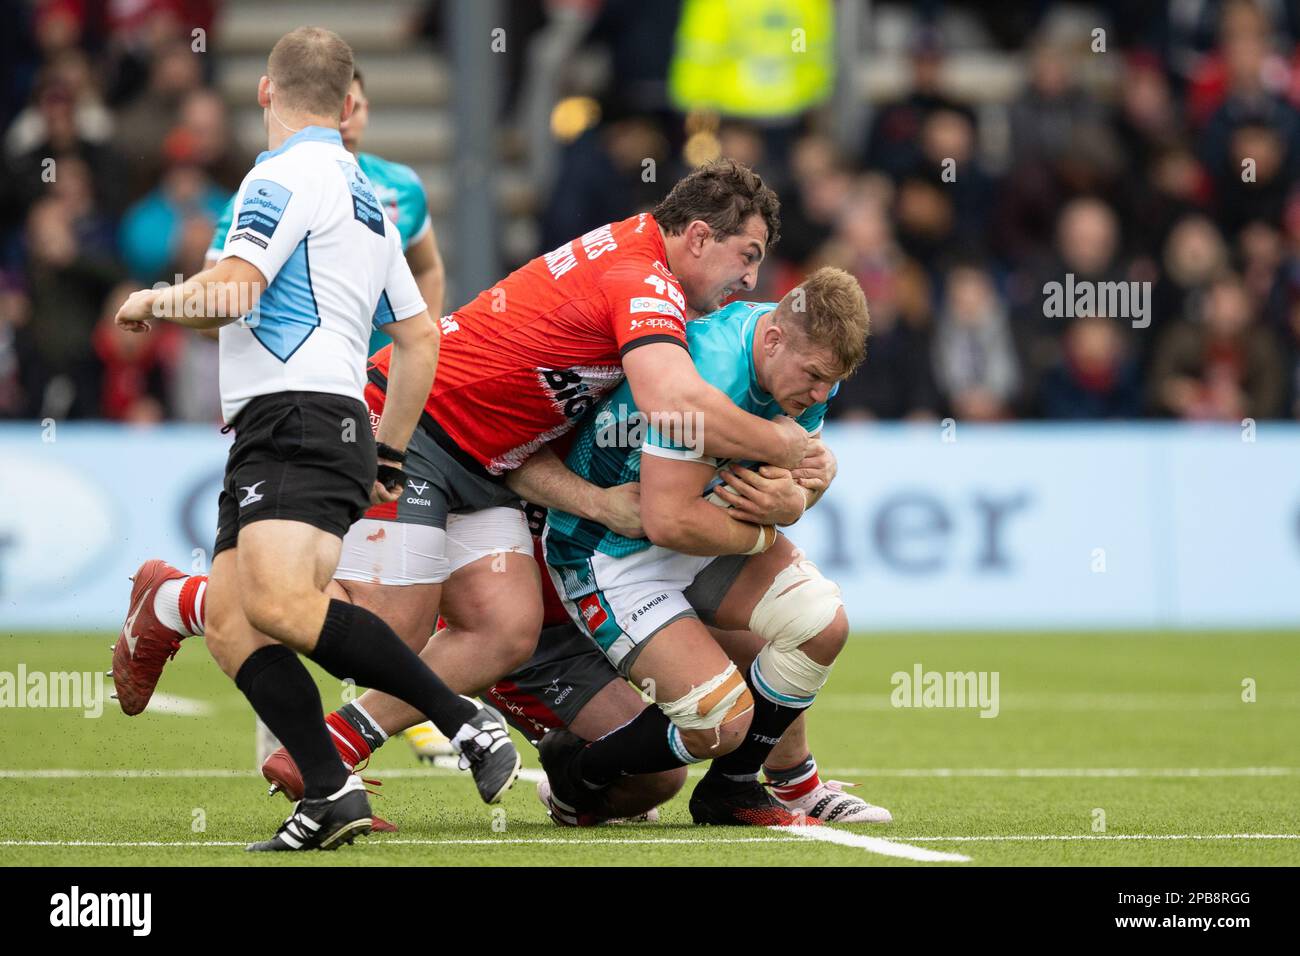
(607, 447)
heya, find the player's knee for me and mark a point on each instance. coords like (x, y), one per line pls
(826, 645)
(667, 784)
(723, 739)
(801, 616)
(516, 629)
(275, 616)
(657, 788)
(712, 717)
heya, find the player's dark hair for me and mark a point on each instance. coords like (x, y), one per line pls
(724, 194)
(356, 78)
(312, 70)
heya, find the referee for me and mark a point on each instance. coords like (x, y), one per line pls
(312, 262)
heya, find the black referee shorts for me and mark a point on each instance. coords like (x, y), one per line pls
(297, 456)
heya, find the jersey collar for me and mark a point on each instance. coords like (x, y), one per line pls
(308, 134)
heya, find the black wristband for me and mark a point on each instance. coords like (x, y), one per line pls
(391, 477)
(389, 453)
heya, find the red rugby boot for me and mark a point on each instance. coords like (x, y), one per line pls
(145, 644)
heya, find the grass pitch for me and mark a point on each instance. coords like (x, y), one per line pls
(1112, 749)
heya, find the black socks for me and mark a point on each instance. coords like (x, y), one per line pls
(284, 695)
(357, 645)
(642, 745)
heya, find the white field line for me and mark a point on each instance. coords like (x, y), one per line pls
(1133, 702)
(1121, 772)
(533, 774)
(855, 841)
(175, 706)
(872, 844)
(1052, 837)
(825, 834)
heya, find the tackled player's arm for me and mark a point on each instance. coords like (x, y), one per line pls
(208, 300)
(676, 516)
(665, 383)
(818, 469)
(426, 265)
(776, 496)
(547, 481)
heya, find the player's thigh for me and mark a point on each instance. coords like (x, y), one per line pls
(609, 709)
(495, 587)
(395, 568)
(741, 646)
(680, 657)
(411, 610)
(736, 608)
(696, 685)
(282, 560)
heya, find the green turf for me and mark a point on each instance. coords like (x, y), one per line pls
(1141, 701)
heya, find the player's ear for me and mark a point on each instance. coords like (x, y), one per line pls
(697, 234)
(349, 104)
(772, 337)
(264, 92)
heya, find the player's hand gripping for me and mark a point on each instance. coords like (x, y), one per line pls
(795, 438)
(622, 510)
(767, 496)
(391, 479)
(818, 468)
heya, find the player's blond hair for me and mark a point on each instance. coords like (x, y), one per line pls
(312, 70)
(830, 308)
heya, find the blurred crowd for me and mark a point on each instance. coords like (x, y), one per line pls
(118, 159)
(1175, 167)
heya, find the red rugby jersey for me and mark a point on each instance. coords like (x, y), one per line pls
(521, 363)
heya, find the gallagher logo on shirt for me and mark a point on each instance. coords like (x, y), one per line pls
(263, 206)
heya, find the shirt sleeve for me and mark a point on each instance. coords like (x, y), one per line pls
(646, 304)
(273, 212)
(687, 446)
(221, 229)
(401, 297)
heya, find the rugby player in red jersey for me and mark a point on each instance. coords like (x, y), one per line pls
(518, 366)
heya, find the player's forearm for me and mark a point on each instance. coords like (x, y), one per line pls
(729, 432)
(432, 283)
(700, 528)
(206, 301)
(410, 378)
(547, 481)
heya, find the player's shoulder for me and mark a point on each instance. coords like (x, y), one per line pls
(724, 328)
(629, 245)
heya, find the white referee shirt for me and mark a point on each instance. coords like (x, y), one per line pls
(307, 217)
